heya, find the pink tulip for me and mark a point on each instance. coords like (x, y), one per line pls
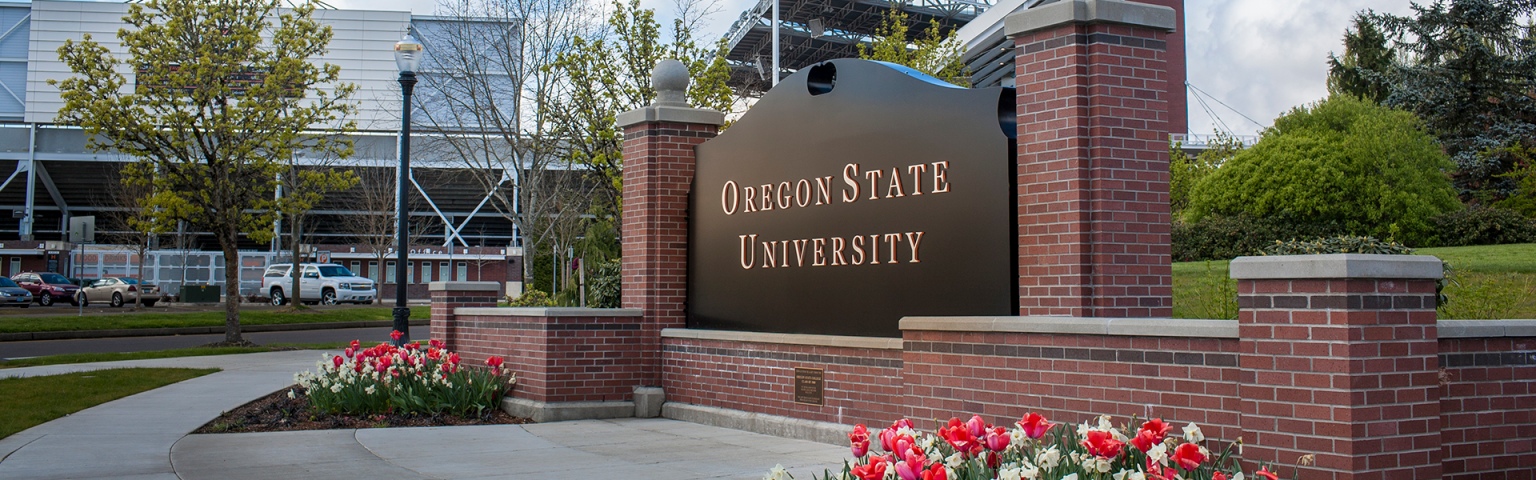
(997, 439)
(976, 426)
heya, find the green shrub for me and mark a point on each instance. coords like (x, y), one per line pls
(1480, 225)
(1221, 237)
(1370, 169)
(1339, 244)
(532, 297)
(603, 288)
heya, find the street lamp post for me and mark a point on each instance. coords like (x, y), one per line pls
(408, 53)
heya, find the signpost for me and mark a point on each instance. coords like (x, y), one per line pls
(82, 232)
(851, 196)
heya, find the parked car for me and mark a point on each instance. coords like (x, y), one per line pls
(119, 290)
(48, 287)
(325, 283)
(12, 295)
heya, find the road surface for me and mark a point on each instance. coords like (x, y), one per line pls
(37, 348)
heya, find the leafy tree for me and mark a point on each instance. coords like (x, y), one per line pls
(1372, 169)
(1468, 71)
(223, 94)
(933, 53)
(609, 72)
(1363, 70)
(1185, 171)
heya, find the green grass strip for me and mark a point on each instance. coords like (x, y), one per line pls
(32, 401)
(156, 319)
(173, 353)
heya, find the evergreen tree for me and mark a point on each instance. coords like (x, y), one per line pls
(1364, 69)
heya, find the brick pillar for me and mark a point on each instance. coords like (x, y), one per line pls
(447, 296)
(659, 145)
(1338, 357)
(1092, 84)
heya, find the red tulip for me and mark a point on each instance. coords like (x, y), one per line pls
(1157, 427)
(960, 437)
(1034, 425)
(997, 439)
(494, 361)
(395, 335)
(1101, 444)
(1219, 476)
(936, 472)
(355, 344)
(337, 360)
(435, 343)
(1188, 456)
(976, 426)
(859, 440)
(874, 470)
(1268, 475)
(1145, 440)
(453, 358)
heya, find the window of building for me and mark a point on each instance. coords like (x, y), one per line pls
(389, 272)
(426, 271)
(463, 272)
(15, 266)
(443, 272)
(357, 268)
(373, 271)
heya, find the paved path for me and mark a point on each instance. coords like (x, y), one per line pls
(145, 436)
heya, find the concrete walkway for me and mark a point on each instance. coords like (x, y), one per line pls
(145, 436)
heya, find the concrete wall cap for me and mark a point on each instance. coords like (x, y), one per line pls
(785, 338)
(1140, 327)
(1337, 266)
(464, 286)
(663, 113)
(546, 312)
(1486, 328)
(1071, 12)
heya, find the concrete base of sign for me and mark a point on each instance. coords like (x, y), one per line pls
(648, 401)
(544, 412)
(779, 426)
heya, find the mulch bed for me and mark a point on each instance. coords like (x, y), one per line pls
(278, 413)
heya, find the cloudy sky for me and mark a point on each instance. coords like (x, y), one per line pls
(1261, 57)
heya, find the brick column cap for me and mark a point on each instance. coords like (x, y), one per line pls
(662, 113)
(463, 286)
(580, 312)
(1072, 12)
(1337, 266)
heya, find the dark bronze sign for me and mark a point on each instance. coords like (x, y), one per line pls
(853, 194)
(809, 385)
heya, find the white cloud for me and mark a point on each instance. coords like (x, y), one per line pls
(1264, 57)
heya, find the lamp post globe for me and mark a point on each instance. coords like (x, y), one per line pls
(408, 54)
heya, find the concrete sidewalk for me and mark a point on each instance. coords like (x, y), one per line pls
(145, 436)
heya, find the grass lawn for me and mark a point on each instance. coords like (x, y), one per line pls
(180, 352)
(157, 319)
(1487, 282)
(28, 402)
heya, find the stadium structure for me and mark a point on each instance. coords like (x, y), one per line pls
(50, 176)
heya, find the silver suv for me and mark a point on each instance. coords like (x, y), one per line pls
(326, 283)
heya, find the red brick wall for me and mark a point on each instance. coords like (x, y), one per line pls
(1178, 71)
(1074, 378)
(556, 358)
(658, 174)
(1488, 408)
(1342, 369)
(862, 385)
(1093, 172)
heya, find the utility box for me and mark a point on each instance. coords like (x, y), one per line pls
(200, 294)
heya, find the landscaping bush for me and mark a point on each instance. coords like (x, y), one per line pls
(604, 287)
(1370, 169)
(532, 298)
(404, 380)
(1223, 237)
(1035, 449)
(1480, 225)
(1339, 244)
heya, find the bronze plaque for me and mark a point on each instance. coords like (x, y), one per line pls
(809, 385)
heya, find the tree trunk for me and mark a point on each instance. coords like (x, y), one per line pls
(143, 247)
(227, 242)
(293, 295)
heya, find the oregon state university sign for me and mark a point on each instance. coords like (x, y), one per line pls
(852, 194)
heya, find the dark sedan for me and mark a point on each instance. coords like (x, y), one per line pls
(12, 295)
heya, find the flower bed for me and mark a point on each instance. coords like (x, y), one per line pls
(1035, 449)
(405, 379)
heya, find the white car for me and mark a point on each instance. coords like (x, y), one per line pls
(325, 283)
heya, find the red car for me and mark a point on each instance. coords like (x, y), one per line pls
(48, 287)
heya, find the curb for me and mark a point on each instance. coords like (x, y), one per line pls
(160, 332)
